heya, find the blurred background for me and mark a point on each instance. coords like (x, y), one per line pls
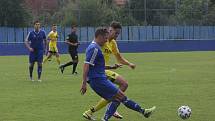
(142, 20)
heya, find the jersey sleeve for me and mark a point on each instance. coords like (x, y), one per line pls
(44, 35)
(49, 35)
(91, 56)
(28, 37)
(115, 49)
(57, 35)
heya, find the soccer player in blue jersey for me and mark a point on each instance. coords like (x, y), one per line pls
(35, 43)
(94, 74)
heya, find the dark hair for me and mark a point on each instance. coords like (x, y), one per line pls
(36, 22)
(73, 26)
(101, 31)
(115, 25)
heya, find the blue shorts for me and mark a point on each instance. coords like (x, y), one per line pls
(103, 87)
(36, 56)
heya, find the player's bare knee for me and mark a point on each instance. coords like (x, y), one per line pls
(125, 85)
(122, 83)
(119, 96)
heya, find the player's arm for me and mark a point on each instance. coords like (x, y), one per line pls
(71, 43)
(46, 45)
(123, 61)
(120, 59)
(48, 41)
(27, 43)
(91, 55)
(116, 66)
(45, 41)
(84, 82)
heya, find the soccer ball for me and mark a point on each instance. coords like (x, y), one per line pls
(184, 112)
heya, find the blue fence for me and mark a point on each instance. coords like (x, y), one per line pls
(128, 33)
(130, 46)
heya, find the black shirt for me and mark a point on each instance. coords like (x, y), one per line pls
(73, 38)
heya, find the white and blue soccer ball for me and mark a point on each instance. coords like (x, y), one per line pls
(184, 112)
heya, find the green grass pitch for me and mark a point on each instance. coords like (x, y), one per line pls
(166, 80)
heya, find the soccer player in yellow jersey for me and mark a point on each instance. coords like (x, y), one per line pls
(108, 49)
(53, 50)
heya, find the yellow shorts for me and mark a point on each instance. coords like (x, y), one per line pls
(53, 49)
(111, 75)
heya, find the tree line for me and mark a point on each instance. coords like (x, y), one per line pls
(101, 12)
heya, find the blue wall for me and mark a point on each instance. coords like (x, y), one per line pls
(142, 33)
(137, 38)
(126, 46)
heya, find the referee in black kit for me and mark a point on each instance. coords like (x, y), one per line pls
(72, 41)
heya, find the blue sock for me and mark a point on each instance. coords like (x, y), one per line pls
(132, 105)
(111, 109)
(39, 71)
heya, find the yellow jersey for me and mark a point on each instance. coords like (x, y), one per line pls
(110, 47)
(52, 36)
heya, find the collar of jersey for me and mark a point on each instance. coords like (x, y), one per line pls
(93, 42)
(37, 32)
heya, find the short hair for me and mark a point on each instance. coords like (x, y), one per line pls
(101, 31)
(115, 25)
(54, 24)
(37, 21)
(73, 26)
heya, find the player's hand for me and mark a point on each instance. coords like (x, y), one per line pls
(132, 66)
(83, 89)
(31, 49)
(116, 66)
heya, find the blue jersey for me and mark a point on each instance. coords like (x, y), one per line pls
(95, 59)
(36, 39)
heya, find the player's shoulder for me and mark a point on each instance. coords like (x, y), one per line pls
(51, 33)
(105, 45)
(43, 31)
(93, 46)
(31, 32)
(113, 41)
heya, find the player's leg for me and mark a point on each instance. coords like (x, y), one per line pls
(39, 71)
(112, 76)
(123, 84)
(121, 98)
(57, 55)
(75, 63)
(31, 68)
(39, 64)
(117, 79)
(32, 57)
(49, 55)
(62, 67)
(102, 87)
(89, 113)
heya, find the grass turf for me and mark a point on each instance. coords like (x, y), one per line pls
(167, 80)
